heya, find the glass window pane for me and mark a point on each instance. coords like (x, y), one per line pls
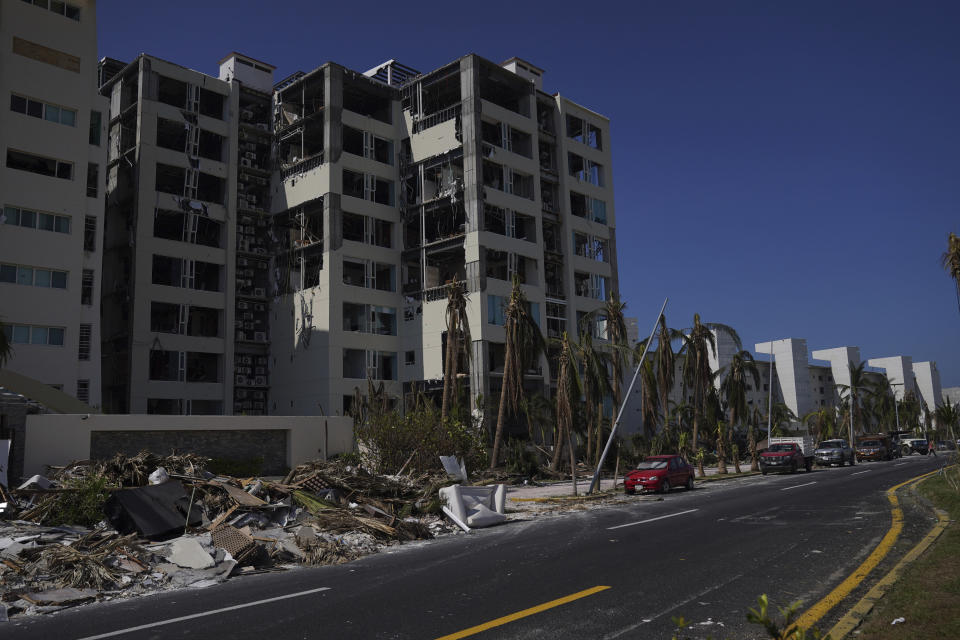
(7, 331)
(28, 218)
(46, 222)
(21, 334)
(18, 104)
(52, 113)
(56, 6)
(55, 337)
(68, 117)
(25, 275)
(8, 273)
(62, 224)
(34, 108)
(11, 215)
(41, 278)
(59, 280)
(38, 335)
(73, 12)
(65, 170)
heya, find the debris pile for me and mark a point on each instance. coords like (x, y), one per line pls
(135, 524)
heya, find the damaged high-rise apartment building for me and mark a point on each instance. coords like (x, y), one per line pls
(271, 246)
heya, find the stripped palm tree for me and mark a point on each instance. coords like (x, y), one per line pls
(666, 363)
(951, 261)
(734, 385)
(458, 341)
(698, 343)
(753, 423)
(948, 417)
(568, 394)
(648, 402)
(856, 390)
(522, 349)
(820, 422)
(596, 383)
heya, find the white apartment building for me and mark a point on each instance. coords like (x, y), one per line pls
(273, 246)
(53, 135)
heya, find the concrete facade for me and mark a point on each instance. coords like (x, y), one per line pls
(928, 384)
(346, 205)
(899, 371)
(791, 363)
(53, 135)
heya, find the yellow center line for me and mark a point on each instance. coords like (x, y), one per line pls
(523, 614)
(842, 590)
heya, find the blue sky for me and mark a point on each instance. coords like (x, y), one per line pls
(790, 169)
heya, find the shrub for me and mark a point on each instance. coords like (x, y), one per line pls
(84, 506)
(389, 439)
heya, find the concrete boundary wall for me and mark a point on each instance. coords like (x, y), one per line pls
(59, 439)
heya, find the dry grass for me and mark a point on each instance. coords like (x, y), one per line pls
(928, 594)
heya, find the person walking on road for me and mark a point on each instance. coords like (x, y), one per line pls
(931, 448)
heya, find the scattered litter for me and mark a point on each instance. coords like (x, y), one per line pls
(898, 620)
(165, 522)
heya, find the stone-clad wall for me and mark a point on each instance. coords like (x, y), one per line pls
(269, 444)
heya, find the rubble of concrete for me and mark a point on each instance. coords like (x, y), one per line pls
(156, 523)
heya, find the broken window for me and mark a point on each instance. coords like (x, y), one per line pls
(211, 104)
(93, 179)
(556, 319)
(172, 92)
(170, 179)
(521, 184)
(89, 233)
(581, 244)
(354, 363)
(209, 232)
(362, 98)
(167, 271)
(210, 188)
(494, 219)
(490, 132)
(545, 117)
(551, 237)
(206, 276)
(353, 184)
(353, 227)
(548, 196)
(594, 137)
(575, 128)
(203, 322)
(166, 365)
(210, 146)
(521, 143)
(171, 134)
(203, 367)
(353, 141)
(497, 264)
(38, 164)
(354, 317)
(86, 288)
(547, 162)
(492, 175)
(505, 89)
(578, 204)
(164, 317)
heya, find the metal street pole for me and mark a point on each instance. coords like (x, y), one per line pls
(613, 430)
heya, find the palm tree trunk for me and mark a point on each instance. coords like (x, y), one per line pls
(502, 411)
(752, 439)
(557, 449)
(573, 462)
(450, 370)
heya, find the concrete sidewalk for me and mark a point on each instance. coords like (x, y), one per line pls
(564, 489)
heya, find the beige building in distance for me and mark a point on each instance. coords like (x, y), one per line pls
(53, 137)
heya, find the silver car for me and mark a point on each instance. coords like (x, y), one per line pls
(831, 452)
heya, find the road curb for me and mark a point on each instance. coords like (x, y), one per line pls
(856, 615)
(842, 590)
(728, 476)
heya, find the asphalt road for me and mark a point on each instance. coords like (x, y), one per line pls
(704, 554)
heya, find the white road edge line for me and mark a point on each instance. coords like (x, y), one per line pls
(859, 472)
(899, 464)
(205, 613)
(807, 484)
(620, 526)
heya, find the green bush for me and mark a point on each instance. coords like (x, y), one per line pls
(84, 506)
(520, 459)
(388, 439)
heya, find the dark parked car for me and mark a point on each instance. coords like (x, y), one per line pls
(915, 445)
(831, 452)
(872, 450)
(659, 473)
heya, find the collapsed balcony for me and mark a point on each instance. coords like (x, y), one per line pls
(440, 177)
(301, 148)
(366, 98)
(434, 99)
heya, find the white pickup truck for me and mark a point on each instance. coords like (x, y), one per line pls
(787, 454)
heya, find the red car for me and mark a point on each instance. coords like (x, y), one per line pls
(659, 473)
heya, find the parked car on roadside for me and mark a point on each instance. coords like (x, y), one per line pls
(786, 456)
(659, 473)
(872, 449)
(831, 452)
(916, 445)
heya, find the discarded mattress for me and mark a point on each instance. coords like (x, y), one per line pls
(475, 506)
(155, 511)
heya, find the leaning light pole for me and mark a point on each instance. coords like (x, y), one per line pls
(613, 430)
(770, 398)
